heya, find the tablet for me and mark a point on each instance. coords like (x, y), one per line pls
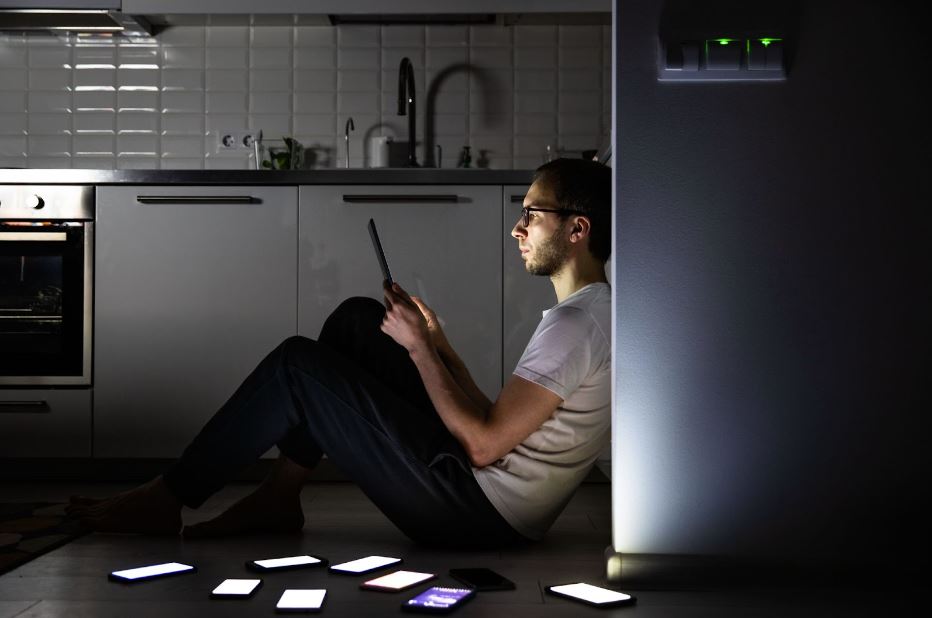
(379, 254)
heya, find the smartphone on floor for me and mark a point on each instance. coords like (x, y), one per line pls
(300, 601)
(236, 589)
(151, 571)
(364, 565)
(438, 600)
(398, 580)
(285, 564)
(592, 595)
(483, 580)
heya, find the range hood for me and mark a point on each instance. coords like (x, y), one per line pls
(80, 16)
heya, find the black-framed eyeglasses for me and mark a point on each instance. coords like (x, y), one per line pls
(526, 212)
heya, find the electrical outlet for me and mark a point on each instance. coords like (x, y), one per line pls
(238, 139)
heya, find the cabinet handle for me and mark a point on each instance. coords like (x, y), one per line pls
(34, 236)
(373, 199)
(517, 199)
(197, 199)
(32, 407)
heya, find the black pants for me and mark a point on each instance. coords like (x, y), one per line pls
(355, 395)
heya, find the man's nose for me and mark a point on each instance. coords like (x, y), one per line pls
(518, 231)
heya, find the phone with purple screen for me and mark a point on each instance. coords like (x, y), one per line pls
(438, 600)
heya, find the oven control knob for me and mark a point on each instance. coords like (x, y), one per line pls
(34, 201)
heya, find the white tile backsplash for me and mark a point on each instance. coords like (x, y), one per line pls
(507, 91)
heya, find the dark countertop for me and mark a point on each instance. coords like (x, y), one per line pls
(389, 176)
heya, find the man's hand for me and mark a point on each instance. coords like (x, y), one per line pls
(404, 320)
(437, 336)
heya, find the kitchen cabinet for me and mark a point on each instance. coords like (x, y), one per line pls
(442, 243)
(45, 422)
(194, 286)
(525, 295)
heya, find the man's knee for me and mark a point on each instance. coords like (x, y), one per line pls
(360, 306)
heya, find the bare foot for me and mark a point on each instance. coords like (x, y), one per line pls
(261, 511)
(149, 509)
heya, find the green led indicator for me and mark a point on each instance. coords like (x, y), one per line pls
(723, 41)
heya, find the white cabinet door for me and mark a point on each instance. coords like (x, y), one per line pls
(525, 295)
(193, 288)
(45, 423)
(442, 243)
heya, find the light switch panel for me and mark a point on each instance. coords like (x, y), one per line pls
(723, 55)
(722, 60)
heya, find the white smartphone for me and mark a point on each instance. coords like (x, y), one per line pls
(283, 564)
(399, 580)
(236, 589)
(592, 595)
(364, 565)
(150, 572)
(300, 601)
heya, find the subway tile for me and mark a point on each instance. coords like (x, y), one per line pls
(14, 124)
(193, 102)
(270, 102)
(270, 80)
(495, 146)
(15, 58)
(315, 58)
(131, 162)
(535, 36)
(535, 58)
(94, 145)
(228, 36)
(170, 162)
(580, 103)
(272, 36)
(16, 79)
(315, 102)
(490, 35)
(535, 124)
(227, 57)
(589, 124)
(316, 80)
(129, 56)
(13, 39)
(403, 36)
(182, 124)
(183, 79)
(48, 102)
(491, 57)
(91, 55)
(138, 122)
(390, 82)
(138, 79)
(94, 79)
(217, 123)
(543, 102)
(357, 103)
(49, 145)
(50, 124)
(443, 57)
(490, 124)
(53, 58)
(580, 58)
(315, 124)
(227, 80)
(93, 162)
(137, 145)
(184, 58)
(271, 58)
(580, 36)
(47, 79)
(183, 36)
(526, 163)
(392, 56)
(226, 103)
(12, 102)
(580, 142)
(182, 146)
(452, 80)
(356, 81)
(14, 161)
(95, 101)
(49, 162)
(315, 36)
(447, 36)
(13, 146)
(358, 57)
(491, 102)
(453, 102)
(358, 36)
(580, 79)
(492, 80)
(533, 146)
(450, 124)
(128, 101)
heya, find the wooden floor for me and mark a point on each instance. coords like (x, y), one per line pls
(341, 525)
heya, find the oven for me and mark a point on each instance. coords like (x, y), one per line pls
(46, 285)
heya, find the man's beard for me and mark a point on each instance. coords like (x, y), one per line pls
(550, 255)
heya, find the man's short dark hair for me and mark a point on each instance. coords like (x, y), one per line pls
(585, 187)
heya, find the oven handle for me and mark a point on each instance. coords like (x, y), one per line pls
(32, 407)
(389, 199)
(197, 199)
(34, 236)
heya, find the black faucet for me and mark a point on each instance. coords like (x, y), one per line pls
(406, 105)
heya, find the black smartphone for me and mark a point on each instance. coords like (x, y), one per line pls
(143, 573)
(236, 589)
(438, 600)
(285, 564)
(592, 595)
(364, 565)
(397, 580)
(483, 580)
(300, 601)
(379, 254)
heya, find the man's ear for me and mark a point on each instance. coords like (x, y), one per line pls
(580, 229)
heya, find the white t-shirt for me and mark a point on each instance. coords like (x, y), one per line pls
(569, 354)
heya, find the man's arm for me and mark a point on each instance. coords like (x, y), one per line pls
(486, 433)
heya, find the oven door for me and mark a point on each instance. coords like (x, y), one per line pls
(45, 302)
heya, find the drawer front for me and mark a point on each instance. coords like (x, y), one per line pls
(45, 423)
